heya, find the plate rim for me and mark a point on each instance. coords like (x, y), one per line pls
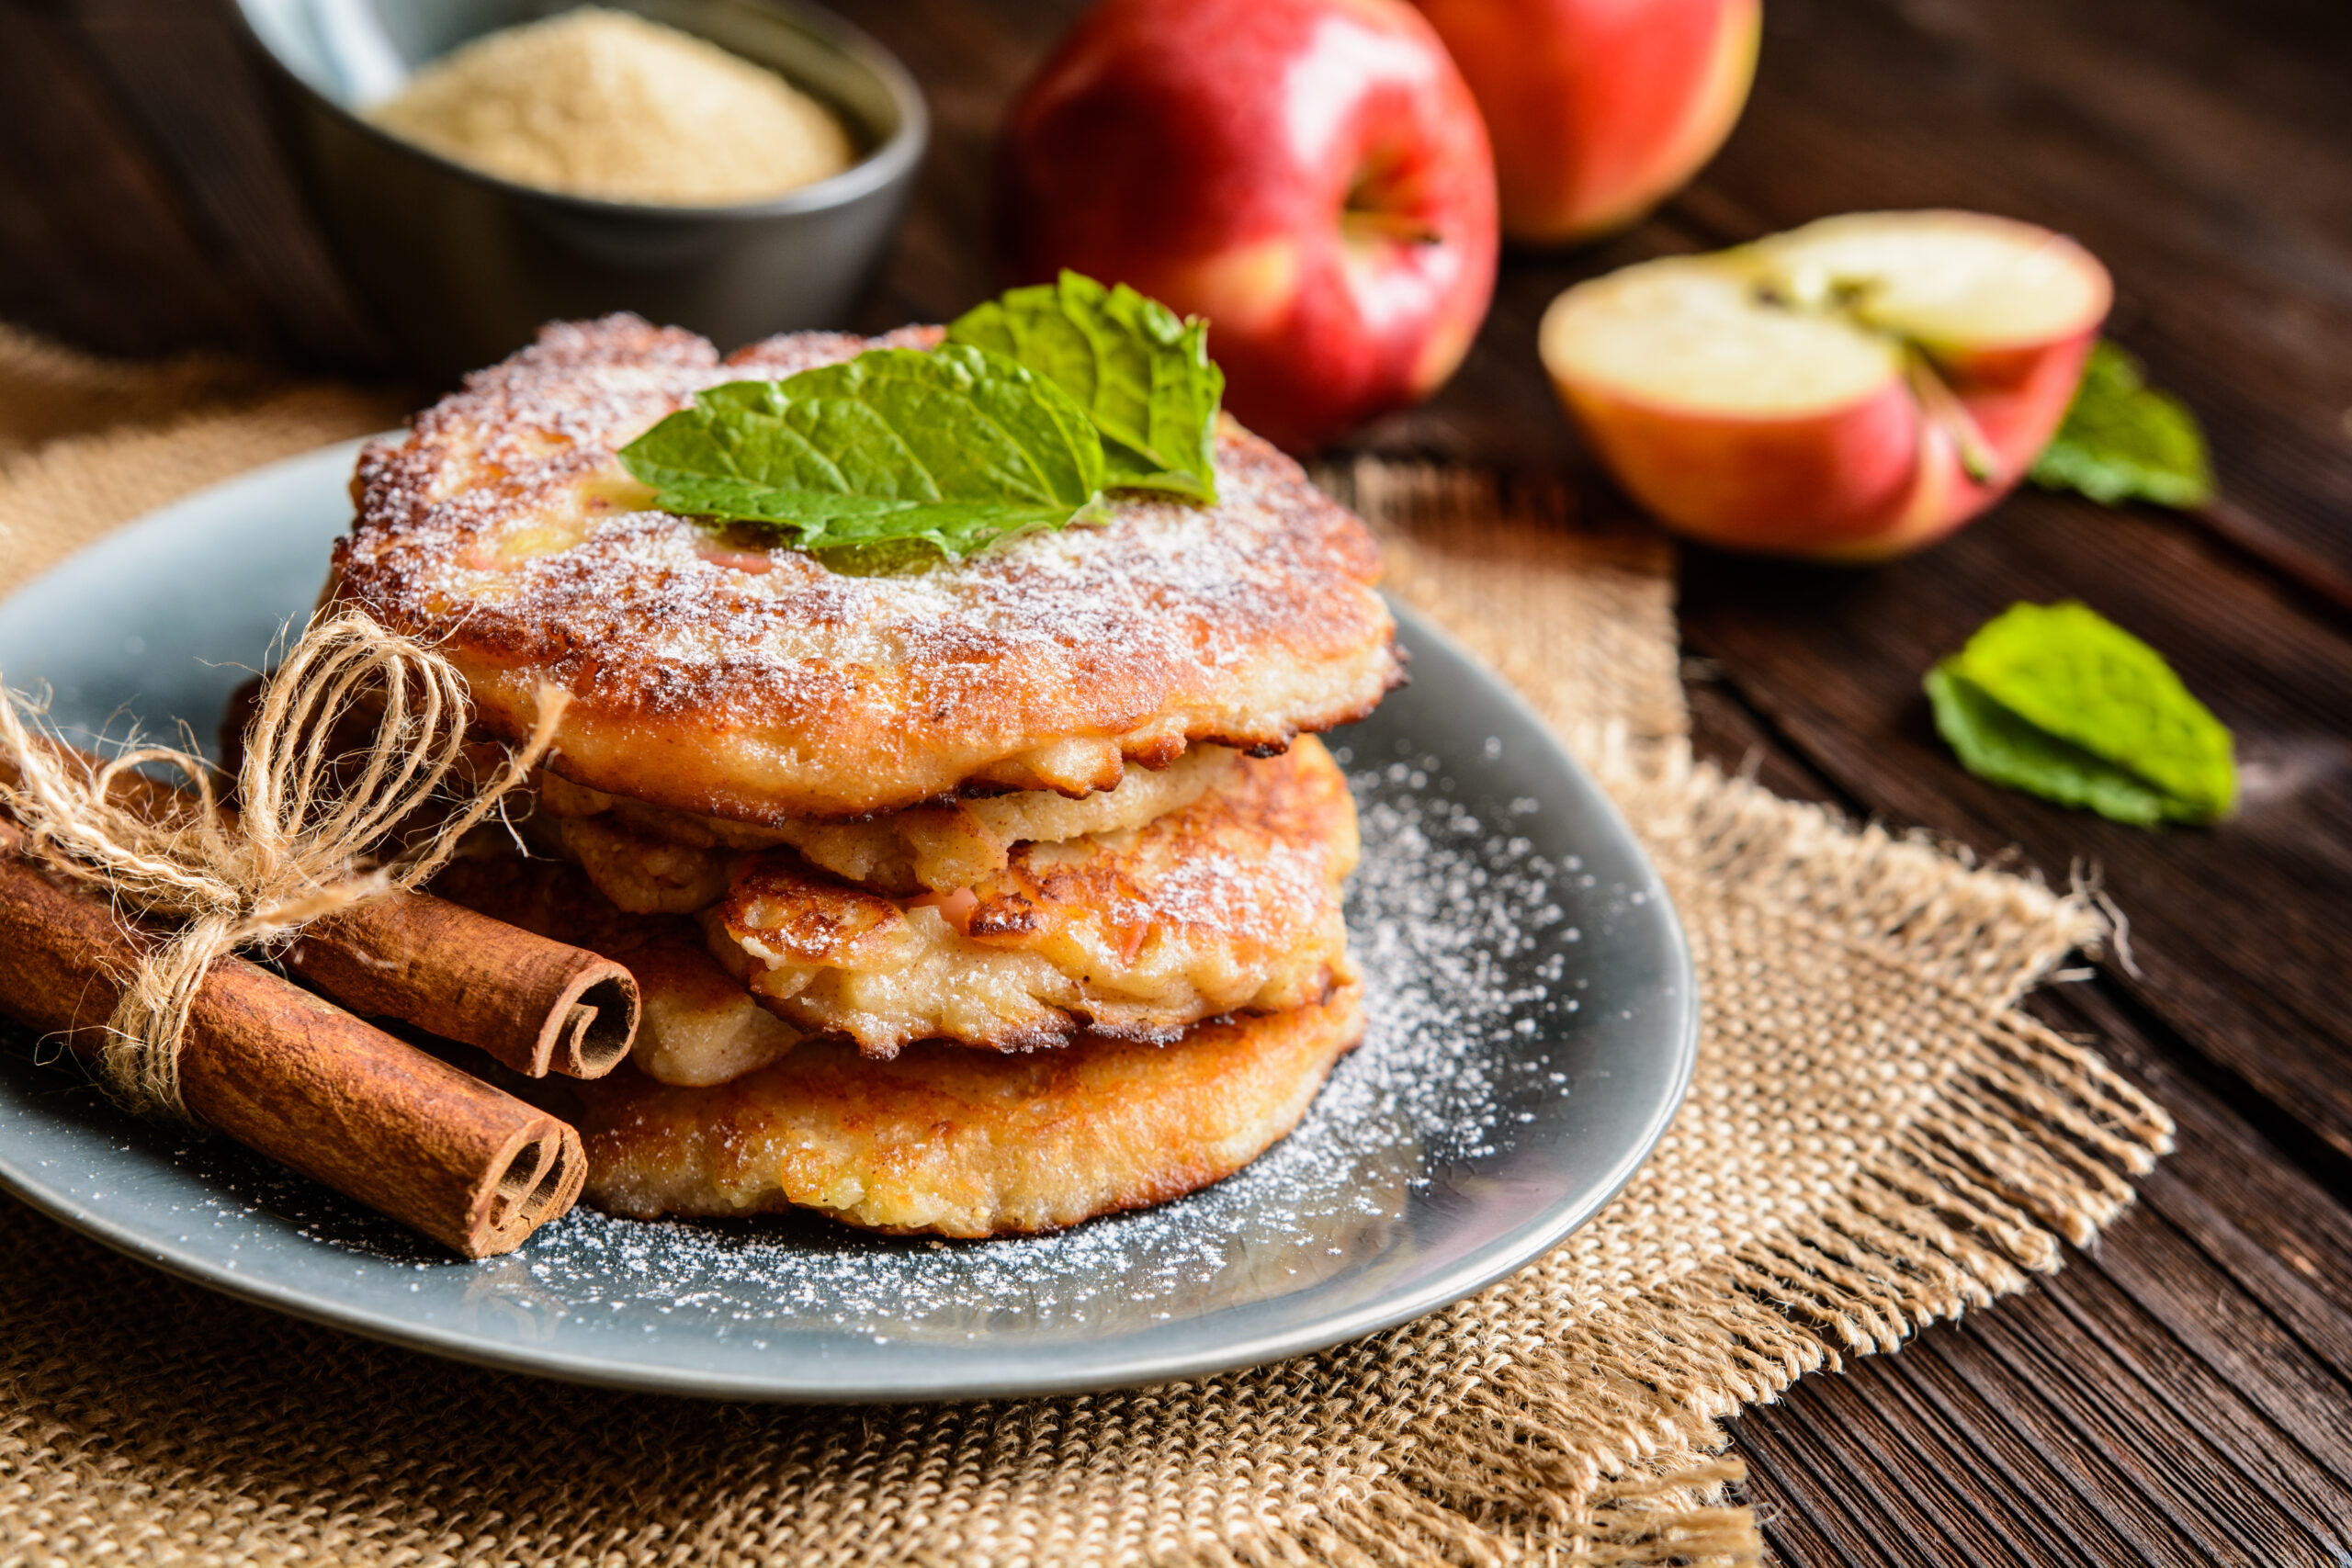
(1491, 1260)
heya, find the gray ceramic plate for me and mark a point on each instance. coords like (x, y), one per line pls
(1534, 1024)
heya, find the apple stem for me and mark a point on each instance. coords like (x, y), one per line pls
(1815, 290)
(1939, 402)
(1374, 211)
(1364, 225)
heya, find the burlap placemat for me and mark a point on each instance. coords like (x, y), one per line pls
(1876, 1137)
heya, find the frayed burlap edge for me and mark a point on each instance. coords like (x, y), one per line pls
(1605, 1445)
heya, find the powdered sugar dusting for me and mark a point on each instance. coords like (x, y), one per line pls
(1470, 964)
(504, 527)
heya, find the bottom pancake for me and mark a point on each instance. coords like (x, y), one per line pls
(961, 1142)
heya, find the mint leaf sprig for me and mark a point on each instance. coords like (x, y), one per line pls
(956, 448)
(1142, 372)
(1037, 402)
(2060, 702)
(2124, 440)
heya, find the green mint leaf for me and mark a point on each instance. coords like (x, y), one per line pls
(959, 448)
(1142, 374)
(1996, 744)
(2122, 440)
(2059, 701)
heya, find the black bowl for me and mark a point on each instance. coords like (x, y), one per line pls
(462, 266)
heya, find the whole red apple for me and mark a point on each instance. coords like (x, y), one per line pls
(1849, 390)
(1310, 176)
(1598, 109)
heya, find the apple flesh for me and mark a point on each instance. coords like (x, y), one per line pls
(1849, 390)
(1598, 109)
(1310, 176)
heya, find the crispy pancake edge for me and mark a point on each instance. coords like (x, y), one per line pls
(960, 1143)
(759, 685)
(1232, 903)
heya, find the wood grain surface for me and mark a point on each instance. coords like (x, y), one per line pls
(2182, 1392)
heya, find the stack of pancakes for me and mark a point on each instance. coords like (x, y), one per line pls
(968, 897)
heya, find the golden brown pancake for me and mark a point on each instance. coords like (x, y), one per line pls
(651, 860)
(722, 675)
(964, 1143)
(1230, 904)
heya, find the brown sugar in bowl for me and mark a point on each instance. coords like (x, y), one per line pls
(460, 267)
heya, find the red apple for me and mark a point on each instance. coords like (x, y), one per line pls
(1600, 109)
(1851, 390)
(1311, 175)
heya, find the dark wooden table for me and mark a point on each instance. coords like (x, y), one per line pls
(2183, 1392)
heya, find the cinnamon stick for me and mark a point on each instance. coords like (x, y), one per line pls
(535, 1004)
(297, 1079)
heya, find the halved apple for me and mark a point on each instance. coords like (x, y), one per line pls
(1850, 390)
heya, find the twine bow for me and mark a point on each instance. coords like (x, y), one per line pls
(301, 844)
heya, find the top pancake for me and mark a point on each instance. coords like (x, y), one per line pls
(718, 675)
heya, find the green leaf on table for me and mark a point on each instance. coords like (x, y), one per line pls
(957, 448)
(2058, 701)
(1996, 744)
(1142, 372)
(2123, 440)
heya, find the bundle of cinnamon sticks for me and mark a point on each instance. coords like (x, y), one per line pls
(313, 1086)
